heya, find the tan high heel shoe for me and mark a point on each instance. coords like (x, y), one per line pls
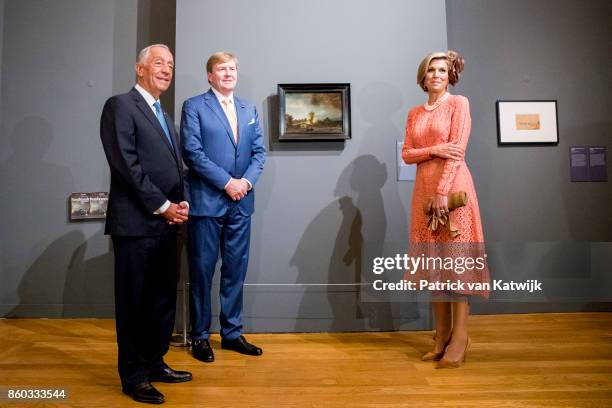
(455, 364)
(433, 356)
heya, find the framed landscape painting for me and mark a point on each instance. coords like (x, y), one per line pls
(314, 112)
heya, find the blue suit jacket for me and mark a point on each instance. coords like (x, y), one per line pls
(213, 157)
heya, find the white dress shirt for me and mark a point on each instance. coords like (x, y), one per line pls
(230, 97)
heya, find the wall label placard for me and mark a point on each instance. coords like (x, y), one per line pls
(588, 163)
(87, 206)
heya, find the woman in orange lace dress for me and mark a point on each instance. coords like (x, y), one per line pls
(437, 133)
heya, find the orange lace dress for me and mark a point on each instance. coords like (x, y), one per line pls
(449, 122)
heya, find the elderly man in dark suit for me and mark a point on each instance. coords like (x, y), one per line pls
(144, 210)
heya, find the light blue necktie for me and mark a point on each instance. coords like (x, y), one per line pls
(162, 121)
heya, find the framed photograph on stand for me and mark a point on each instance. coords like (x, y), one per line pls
(527, 123)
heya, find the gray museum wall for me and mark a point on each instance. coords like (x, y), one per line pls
(61, 60)
(537, 223)
(156, 24)
(1, 48)
(320, 206)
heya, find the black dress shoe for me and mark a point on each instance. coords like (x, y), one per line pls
(242, 346)
(144, 392)
(169, 375)
(202, 351)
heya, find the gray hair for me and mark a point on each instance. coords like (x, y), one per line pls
(146, 51)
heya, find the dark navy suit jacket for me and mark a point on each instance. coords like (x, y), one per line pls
(213, 157)
(145, 169)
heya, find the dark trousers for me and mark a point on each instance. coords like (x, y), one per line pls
(209, 236)
(145, 303)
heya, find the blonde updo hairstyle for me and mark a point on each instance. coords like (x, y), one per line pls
(454, 61)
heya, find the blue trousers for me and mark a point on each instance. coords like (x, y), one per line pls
(228, 235)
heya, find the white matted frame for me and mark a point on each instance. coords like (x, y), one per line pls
(527, 122)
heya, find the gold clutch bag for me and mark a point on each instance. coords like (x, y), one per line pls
(455, 200)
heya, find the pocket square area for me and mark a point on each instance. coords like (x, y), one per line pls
(252, 121)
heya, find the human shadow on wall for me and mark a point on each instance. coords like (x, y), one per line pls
(41, 289)
(89, 283)
(34, 209)
(380, 139)
(358, 217)
(60, 285)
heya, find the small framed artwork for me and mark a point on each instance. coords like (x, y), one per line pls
(527, 122)
(314, 112)
(87, 206)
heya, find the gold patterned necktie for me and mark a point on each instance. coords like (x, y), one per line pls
(231, 117)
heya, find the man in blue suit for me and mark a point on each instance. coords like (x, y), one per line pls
(223, 147)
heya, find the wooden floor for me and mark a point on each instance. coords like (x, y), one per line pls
(535, 360)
